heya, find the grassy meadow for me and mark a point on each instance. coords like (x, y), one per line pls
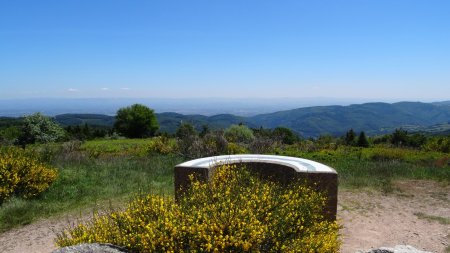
(100, 173)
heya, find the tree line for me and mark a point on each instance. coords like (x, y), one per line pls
(139, 121)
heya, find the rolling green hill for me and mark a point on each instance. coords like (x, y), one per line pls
(373, 118)
(6, 122)
(81, 119)
(169, 121)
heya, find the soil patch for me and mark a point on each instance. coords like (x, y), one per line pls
(372, 219)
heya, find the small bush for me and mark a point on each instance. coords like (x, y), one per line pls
(234, 148)
(161, 145)
(234, 212)
(440, 143)
(191, 145)
(38, 128)
(263, 145)
(239, 133)
(215, 143)
(386, 154)
(21, 175)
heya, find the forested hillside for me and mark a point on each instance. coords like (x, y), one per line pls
(373, 118)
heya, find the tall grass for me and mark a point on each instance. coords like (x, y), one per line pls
(85, 182)
(381, 174)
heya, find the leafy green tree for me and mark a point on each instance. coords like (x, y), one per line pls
(285, 135)
(382, 139)
(239, 133)
(417, 140)
(136, 121)
(186, 130)
(38, 128)
(362, 140)
(399, 137)
(262, 132)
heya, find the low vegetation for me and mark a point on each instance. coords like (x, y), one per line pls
(85, 181)
(94, 172)
(234, 212)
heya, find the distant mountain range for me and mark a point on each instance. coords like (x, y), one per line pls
(202, 106)
(373, 118)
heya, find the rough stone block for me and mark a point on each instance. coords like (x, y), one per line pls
(91, 248)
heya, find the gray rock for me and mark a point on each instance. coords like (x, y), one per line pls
(396, 249)
(92, 248)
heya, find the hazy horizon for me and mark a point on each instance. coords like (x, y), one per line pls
(202, 106)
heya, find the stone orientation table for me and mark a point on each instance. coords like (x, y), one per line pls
(283, 169)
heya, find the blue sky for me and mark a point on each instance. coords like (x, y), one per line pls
(379, 50)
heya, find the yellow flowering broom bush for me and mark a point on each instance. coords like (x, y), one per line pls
(22, 175)
(233, 212)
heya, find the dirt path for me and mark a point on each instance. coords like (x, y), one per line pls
(36, 237)
(372, 220)
(369, 219)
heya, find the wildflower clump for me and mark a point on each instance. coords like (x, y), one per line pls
(22, 175)
(234, 212)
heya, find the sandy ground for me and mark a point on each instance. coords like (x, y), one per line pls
(372, 220)
(369, 220)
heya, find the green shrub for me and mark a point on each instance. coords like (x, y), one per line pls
(162, 145)
(38, 128)
(191, 145)
(21, 175)
(215, 143)
(239, 133)
(234, 212)
(386, 154)
(440, 143)
(285, 135)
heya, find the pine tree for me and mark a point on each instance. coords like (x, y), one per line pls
(362, 140)
(350, 138)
